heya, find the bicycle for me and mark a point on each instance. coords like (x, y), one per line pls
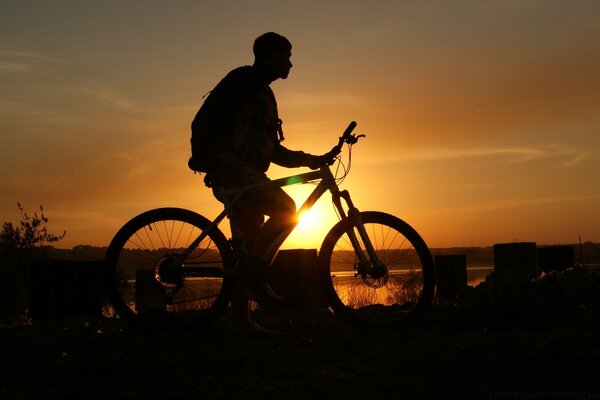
(374, 268)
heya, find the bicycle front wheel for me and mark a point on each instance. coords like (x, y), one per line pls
(146, 273)
(393, 289)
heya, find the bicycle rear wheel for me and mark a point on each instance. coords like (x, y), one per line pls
(396, 292)
(146, 277)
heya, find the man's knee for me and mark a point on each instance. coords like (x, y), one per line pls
(290, 205)
(285, 205)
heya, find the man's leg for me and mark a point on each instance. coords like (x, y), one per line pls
(244, 228)
(281, 209)
(247, 221)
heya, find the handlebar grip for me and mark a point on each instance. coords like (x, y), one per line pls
(349, 129)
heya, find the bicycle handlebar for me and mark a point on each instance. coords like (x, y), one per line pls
(349, 129)
(348, 137)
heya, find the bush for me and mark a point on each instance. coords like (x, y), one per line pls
(19, 246)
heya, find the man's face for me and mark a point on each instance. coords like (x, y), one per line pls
(279, 63)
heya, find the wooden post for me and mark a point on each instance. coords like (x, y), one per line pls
(64, 289)
(555, 258)
(149, 294)
(294, 276)
(515, 262)
(451, 271)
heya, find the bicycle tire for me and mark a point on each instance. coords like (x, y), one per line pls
(400, 295)
(140, 272)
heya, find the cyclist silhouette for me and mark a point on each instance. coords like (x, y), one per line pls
(241, 121)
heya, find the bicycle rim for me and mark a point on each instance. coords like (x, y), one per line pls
(146, 280)
(398, 292)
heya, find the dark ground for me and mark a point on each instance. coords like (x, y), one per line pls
(538, 344)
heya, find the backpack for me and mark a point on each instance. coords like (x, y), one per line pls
(202, 159)
(212, 125)
(204, 141)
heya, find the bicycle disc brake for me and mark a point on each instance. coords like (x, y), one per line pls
(168, 272)
(375, 277)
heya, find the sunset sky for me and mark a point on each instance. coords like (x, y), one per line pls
(482, 117)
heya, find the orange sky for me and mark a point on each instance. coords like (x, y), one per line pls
(482, 118)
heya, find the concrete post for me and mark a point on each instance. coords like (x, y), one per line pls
(451, 272)
(149, 294)
(555, 258)
(515, 262)
(294, 276)
(64, 289)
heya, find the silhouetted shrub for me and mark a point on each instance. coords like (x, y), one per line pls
(19, 246)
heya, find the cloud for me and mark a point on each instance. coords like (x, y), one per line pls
(88, 94)
(19, 62)
(14, 67)
(515, 203)
(106, 95)
(30, 56)
(564, 156)
(61, 103)
(156, 155)
(321, 100)
(47, 89)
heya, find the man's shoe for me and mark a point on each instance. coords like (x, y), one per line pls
(253, 275)
(262, 292)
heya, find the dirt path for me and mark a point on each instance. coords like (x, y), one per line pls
(475, 353)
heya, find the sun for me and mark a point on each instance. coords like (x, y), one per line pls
(308, 220)
(313, 224)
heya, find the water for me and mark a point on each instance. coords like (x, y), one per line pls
(477, 274)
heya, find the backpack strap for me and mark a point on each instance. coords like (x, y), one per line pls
(280, 129)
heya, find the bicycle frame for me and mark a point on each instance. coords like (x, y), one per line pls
(327, 183)
(181, 277)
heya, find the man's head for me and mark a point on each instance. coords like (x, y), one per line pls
(272, 52)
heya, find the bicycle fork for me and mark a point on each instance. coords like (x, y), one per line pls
(369, 263)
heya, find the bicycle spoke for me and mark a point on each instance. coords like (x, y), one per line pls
(381, 293)
(147, 248)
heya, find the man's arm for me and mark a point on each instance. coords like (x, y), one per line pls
(292, 159)
(289, 158)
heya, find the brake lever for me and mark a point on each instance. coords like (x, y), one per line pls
(352, 139)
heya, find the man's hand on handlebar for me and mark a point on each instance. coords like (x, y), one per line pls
(316, 162)
(330, 156)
